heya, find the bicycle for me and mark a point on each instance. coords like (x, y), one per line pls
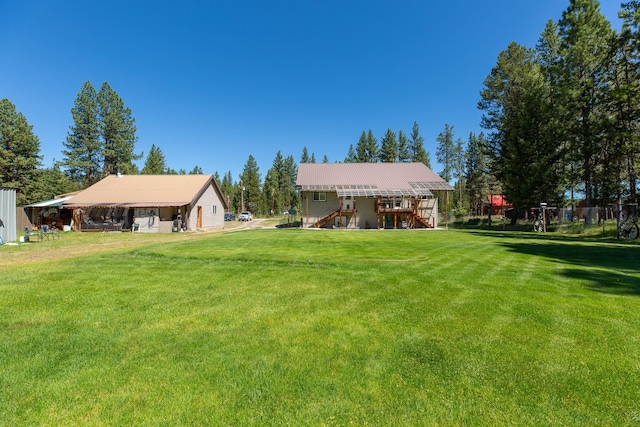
(538, 223)
(627, 226)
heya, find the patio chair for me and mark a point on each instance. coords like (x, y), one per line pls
(50, 231)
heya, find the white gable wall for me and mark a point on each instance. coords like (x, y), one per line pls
(212, 211)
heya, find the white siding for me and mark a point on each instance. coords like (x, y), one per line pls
(212, 210)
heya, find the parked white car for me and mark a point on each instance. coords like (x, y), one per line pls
(245, 216)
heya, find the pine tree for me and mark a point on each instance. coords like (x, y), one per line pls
(228, 188)
(118, 132)
(325, 159)
(277, 167)
(352, 157)
(523, 152)
(626, 93)
(372, 151)
(19, 152)
(272, 193)
(290, 172)
(83, 155)
(362, 154)
(549, 58)
(155, 163)
(445, 153)
(49, 183)
(389, 147)
(584, 78)
(459, 171)
(476, 173)
(417, 153)
(403, 147)
(305, 155)
(250, 182)
(278, 182)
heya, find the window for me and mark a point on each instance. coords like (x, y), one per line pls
(215, 209)
(319, 197)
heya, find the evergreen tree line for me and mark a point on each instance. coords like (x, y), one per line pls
(465, 164)
(392, 148)
(276, 194)
(562, 118)
(102, 140)
(561, 122)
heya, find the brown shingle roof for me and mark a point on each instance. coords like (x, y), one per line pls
(370, 179)
(144, 191)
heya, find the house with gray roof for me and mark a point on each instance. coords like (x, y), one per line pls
(369, 195)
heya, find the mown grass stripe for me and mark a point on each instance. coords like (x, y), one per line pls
(275, 327)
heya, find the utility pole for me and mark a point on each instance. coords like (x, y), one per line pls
(242, 196)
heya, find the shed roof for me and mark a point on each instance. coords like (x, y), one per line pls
(144, 191)
(49, 203)
(370, 179)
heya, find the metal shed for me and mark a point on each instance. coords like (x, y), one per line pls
(8, 230)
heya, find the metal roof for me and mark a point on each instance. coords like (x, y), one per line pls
(138, 191)
(49, 203)
(370, 179)
(372, 191)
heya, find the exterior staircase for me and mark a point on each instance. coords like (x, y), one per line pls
(322, 221)
(417, 218)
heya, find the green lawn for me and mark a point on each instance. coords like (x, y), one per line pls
(314, 327)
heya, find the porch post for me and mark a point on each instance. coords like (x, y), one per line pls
(446, 210)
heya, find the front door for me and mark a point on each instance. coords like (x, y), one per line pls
(199, 219)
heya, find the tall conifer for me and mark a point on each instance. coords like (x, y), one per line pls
(84, 153)
(19, 152)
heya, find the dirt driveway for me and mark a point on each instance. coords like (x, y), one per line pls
(73, 244)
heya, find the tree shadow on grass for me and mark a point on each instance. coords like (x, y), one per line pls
(606, 281)
(608, 265)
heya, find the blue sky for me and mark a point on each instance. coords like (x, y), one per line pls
(211, 82)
